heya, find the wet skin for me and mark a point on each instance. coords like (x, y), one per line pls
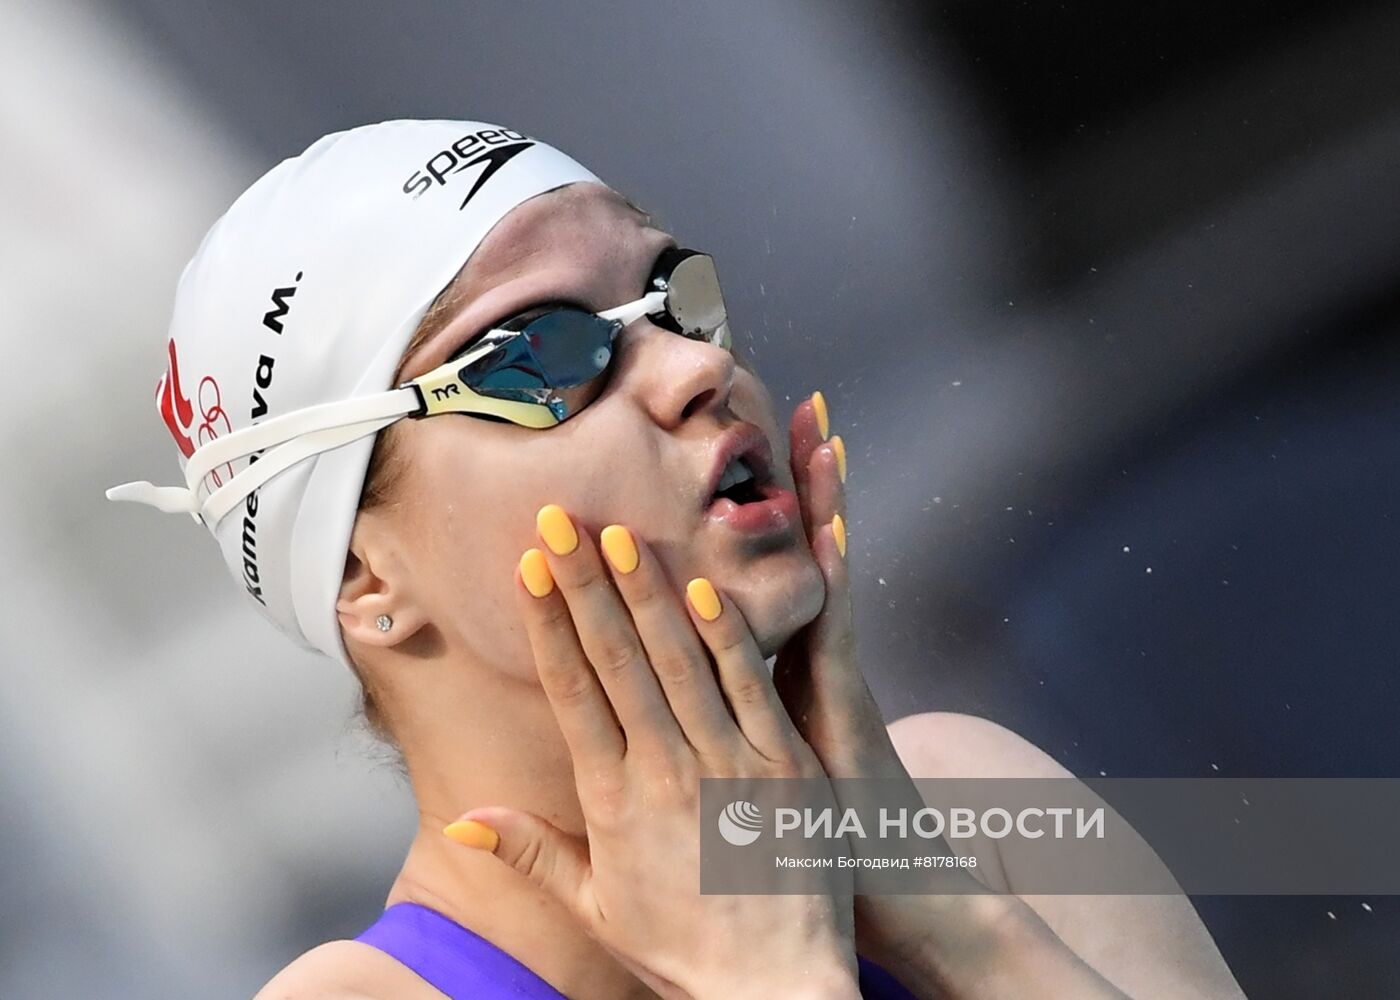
(642, 453)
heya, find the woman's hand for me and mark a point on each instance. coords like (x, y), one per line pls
(628, 673)
(967, 943)
(821, 683)
(816, 672)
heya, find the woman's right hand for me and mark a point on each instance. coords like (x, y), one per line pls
(627, 670)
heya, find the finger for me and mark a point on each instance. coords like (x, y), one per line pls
(831, 635)
(743, 674)
(809, 427)
(822, 497)
(580, 705)
(551, 859)
(673, 647)
(825, 494)
(839, 708)
(606, 631)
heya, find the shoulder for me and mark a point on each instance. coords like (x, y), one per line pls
(346, 970)
(953, 745)
(1144, 944)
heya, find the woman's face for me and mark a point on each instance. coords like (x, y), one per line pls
(645, 454)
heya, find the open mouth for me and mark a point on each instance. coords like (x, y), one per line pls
(740, 482)
(746, 497)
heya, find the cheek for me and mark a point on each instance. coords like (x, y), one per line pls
(468, 503)
(466, 514)
(752, 402)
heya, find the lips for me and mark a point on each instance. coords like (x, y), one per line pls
(745, 441)
(775, 511)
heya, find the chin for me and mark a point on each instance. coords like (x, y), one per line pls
(777, 603)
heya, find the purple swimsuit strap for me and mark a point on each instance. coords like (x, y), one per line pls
(465, 966)
(456, 961)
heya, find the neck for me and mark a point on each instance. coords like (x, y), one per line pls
(495, 742)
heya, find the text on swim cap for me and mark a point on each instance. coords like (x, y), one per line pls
(262, 380)
(490, 149)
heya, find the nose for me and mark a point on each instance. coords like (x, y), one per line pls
(676, 377)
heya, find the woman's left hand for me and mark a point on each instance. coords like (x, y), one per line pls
(819, 678)
(970, 942)
(816, 672)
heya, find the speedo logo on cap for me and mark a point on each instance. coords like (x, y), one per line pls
(490, 150)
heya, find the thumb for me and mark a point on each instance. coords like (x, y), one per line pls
(555, 861)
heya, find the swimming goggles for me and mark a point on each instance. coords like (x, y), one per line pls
(536, 371)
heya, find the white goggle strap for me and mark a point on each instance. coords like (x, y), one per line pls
(647, 305)
(279, 459)
(294, 437)
(290, 426)
(653, 303)
(283, 441)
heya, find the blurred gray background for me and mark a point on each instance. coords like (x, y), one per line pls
(1104, 298)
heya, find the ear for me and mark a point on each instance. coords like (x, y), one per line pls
(376, 583)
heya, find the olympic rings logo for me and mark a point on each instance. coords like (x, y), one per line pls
(211, 409)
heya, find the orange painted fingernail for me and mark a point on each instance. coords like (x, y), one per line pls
(620, 549)
(819, 408)
(839, 446)
(838, 530)
(472, 834)
(556, 529)
(703, 598)
(534, 570)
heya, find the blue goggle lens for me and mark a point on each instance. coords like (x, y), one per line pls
(557, 359)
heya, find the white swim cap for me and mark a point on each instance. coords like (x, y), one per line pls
(307, 291)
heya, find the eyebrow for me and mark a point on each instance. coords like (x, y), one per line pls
(557, 301)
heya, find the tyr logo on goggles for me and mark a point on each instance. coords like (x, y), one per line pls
(535, 371)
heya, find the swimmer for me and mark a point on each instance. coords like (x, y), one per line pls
(462, 418)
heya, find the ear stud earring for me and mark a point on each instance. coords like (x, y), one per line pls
(384, 622)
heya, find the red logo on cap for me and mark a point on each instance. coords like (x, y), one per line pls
(178, 413)
(174, 405)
